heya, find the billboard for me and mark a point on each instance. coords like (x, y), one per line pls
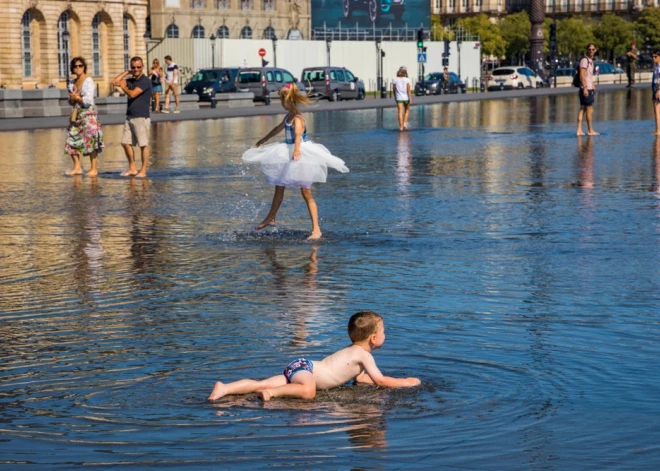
(370, 14)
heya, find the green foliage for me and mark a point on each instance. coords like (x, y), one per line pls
(515, 29)
(492, 42)
(613, 35)
(648, 26)
(573, 36)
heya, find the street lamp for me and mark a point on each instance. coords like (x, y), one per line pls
(65, 40)
(274, 39)
(212, 38)
(459, 41)
(379, 65)
(327, 48)
(146, 37)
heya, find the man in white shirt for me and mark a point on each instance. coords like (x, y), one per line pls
(171, 84)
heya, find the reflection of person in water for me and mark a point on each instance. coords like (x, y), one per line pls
(656, 166)
(586, 162)
(144, 240)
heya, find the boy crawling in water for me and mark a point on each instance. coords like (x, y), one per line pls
(303, 377)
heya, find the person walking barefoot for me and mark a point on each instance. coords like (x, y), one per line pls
(296, 162)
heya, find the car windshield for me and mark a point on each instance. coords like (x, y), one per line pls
(249, 77)
(316, 75)
(498, 72)
(204, 75)
(431, 77)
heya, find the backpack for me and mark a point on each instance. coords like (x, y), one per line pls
(576, 77)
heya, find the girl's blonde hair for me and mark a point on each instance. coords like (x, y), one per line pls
(402, 73)
(291, 96)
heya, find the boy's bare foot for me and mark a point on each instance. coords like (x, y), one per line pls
(129, 173)
(92, 173)
(594, 133)
(265, 395)
(75, 171)
(657, 133)
(315, 235)
(141, 175)
(580, 133)
(218, 391)
(264, 223)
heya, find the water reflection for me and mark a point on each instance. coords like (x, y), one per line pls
(586, 161)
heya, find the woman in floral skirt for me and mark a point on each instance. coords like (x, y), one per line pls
(85, 136)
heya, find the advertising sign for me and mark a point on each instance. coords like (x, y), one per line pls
(366, 14)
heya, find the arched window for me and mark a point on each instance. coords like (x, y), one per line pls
(26, 44)
(223, 32)
(198, 32)
(96, 44)
(172, 31)
(62, 44)
(127, 43)
(269, 33)
(246, 33)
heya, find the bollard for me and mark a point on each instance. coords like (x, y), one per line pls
(482, 87)
(214, 101)
(383, 92)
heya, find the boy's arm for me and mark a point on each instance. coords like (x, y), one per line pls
(276, 130)
(369, 365)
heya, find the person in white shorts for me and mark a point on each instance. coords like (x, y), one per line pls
(171, 84)
(138, 122)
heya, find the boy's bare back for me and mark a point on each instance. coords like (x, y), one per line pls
(342, 366)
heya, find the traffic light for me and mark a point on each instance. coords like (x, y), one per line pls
(420, 38)
(553, 35)
(446, 53)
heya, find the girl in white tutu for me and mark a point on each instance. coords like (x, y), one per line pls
(297, 161)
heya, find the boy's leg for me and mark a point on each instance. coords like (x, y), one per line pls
(245, 386)
(590, 127)
(274, 208)
(167, 99)
(176, 96)
(302, 385)
(145, 162)
(313, 213)
(132, 170)
(579, 127)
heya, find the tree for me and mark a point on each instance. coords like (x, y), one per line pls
(573, 36)
(613, 35)
(648, 26)
(492, 43)
(515, 29)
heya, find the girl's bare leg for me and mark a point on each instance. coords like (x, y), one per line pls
(313, 213)
(656, 108)
(274, 208)
(157, 100)
(400, 109)
(405, 116)
(93, 160)
(302, 385)
(77, 169)
(245, 386)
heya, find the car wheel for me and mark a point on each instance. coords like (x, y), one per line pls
(374, 10)
(360, 95)
(346, 8)
(334, 96)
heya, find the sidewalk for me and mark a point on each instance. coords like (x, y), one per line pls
(321, 106)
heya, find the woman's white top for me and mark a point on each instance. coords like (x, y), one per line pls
(87, 92)
(401, 90)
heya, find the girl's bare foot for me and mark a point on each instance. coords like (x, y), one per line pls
(264, 223)
(315, 235)
(75, 171)
(580, 133)
(141, 175)
(265, 395)
(594, 133)
(218, 391)
(129, 173)
(92, 173)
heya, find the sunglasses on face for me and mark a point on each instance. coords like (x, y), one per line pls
(78, 66)
(136, 67)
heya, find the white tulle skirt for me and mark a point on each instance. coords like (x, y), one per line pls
(277, 163)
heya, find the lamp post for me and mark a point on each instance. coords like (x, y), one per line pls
(274, 39)
(327, 48)
(459, 41)
(379, 64)
(146, 37)
(212, 38)
(65, 40)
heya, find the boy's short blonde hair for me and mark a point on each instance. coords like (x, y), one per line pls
(363, 324)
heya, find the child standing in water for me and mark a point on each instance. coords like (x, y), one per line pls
(296, 162)
(302, 377)
(402, 96)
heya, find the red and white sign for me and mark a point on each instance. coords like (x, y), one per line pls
(262, 52)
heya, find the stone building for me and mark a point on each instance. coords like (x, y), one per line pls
(234, 19)
(39, 35)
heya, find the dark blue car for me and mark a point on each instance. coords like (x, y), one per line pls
(435, 84)
(208, 81)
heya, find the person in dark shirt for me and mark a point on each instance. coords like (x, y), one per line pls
(137, 88)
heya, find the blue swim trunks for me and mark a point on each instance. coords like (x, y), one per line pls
(301, 364)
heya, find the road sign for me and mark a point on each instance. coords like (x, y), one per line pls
(262, 52)
(421, 57)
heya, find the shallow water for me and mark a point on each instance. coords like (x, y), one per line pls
(516, 267)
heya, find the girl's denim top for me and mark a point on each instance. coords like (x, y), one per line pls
(290, 132)
(655, 83)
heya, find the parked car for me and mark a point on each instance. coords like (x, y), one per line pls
(434, 84)
(565, 72)
(208, 81)
(374, 8)
(332, 83)
(604, 68)
(262, 81)
(508, 78)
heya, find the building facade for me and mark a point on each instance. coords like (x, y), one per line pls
(39, 36)
(232, 19)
